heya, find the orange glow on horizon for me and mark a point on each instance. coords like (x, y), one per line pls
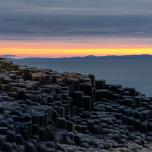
(67, 49)
(21, 52)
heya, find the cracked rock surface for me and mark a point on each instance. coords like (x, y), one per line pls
(47, 111)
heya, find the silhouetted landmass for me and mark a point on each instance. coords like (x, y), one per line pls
(82, 59)
(8, 56)
(78, 59)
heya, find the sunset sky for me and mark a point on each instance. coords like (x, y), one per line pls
(59, 28)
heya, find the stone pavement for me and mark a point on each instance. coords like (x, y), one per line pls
(47, 111)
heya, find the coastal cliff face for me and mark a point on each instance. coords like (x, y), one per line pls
(47, 111)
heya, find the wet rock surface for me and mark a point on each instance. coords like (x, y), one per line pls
(47, 111)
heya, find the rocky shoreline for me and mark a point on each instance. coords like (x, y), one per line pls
(47, 111)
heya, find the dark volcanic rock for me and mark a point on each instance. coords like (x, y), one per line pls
(45, 111)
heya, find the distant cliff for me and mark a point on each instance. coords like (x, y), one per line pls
(82, 59)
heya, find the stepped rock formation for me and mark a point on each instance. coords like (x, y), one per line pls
(47, 111)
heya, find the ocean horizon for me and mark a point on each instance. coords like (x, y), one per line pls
(135, 73)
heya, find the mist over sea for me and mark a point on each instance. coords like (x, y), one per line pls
(129, 73)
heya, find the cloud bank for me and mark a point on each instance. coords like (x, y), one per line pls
(61, 18)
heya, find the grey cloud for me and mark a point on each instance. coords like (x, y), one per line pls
(101, 6)
(62, 25)
(48, 18)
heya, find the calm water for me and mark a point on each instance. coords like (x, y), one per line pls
(132, 73)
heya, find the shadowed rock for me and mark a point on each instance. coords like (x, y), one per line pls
(47, 111)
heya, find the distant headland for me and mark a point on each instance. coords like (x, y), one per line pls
(79, 59)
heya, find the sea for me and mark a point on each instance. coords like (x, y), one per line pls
(129, 73)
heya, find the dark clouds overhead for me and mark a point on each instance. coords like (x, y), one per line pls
(49, 18)
(80, 6)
